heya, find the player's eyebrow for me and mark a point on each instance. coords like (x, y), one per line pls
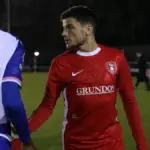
(68, 25)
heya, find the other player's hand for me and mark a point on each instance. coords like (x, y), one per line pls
(14, 134)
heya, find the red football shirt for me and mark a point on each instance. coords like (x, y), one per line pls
(90, 82)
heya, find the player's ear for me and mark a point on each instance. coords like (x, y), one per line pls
(89, 29)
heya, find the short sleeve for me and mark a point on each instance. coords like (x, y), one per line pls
(13, 69)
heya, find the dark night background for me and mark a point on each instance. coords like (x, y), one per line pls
(36, 22)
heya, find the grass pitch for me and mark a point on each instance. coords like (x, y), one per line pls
(48, 137)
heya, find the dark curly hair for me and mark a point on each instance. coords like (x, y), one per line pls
(81, 13)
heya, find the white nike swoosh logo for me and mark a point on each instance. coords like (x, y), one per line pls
(76, 73)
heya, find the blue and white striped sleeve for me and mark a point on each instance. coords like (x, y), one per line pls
(11, 96)
(13, 70)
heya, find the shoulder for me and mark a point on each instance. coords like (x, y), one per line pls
(7, 37)
(64, 57)
(111, 51)
(65, 54)
(113, 54)
(9, 42)
(10, 48)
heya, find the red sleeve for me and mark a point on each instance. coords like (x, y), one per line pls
(52, 92)
(126, 90)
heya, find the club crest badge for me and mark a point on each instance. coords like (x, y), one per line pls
(111, 67)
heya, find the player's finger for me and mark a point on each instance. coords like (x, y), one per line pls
(14, 136)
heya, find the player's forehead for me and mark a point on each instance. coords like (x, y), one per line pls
(70, 21)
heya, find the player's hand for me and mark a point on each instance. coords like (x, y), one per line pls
(16, 145)
(142, 147)
(29, 146)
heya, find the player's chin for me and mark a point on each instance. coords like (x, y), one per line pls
(69, 46)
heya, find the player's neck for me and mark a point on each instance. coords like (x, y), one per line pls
(89, 46)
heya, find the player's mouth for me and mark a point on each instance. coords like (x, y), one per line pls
(67, 41)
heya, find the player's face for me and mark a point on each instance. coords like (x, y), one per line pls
(74, 33)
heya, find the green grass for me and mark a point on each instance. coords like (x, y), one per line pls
(48, 137)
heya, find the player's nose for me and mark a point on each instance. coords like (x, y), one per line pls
(64, 33)
(64, 37)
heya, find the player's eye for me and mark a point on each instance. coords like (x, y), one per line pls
(69, 26)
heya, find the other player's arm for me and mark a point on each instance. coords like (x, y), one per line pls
(11, 97)
(53, 88)
(126, 90)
